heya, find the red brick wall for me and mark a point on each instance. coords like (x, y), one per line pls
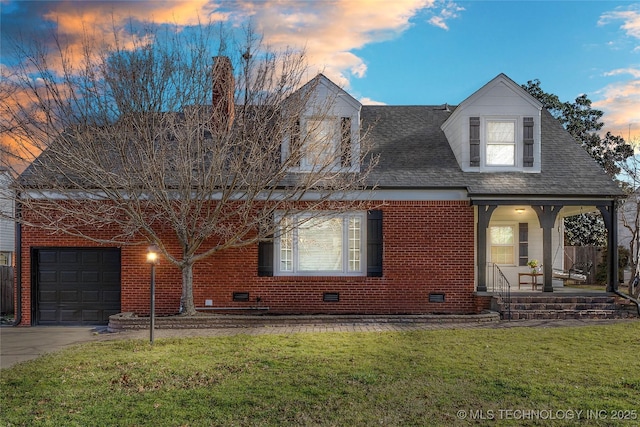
(428, 248)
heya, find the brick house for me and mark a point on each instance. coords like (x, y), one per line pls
(457, 190)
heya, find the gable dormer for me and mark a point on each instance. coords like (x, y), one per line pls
(497, 129)
(325, 132)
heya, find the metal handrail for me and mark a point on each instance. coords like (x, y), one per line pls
(503, 287)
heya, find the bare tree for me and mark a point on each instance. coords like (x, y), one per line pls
(152, 140)
(630, 211)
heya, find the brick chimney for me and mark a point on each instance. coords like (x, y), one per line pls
(223, 111)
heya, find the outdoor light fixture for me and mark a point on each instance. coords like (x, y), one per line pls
(152, 254)
(152, 258)
(519, 210)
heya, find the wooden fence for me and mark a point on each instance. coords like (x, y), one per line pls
(585, 254)
(6, 290)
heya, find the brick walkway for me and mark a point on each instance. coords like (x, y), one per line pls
(358, 327)
(20, 344)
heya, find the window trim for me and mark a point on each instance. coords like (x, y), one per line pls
(517, 141)
(338, 143)
(515, 245)
(295, 259)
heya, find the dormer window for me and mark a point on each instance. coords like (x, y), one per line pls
(320, 143)
(324, 135)
(497, 129)
(325, 143)
(501, 142)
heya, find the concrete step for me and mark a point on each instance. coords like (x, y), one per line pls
(563, 299)
(568, 314)
(563, 307)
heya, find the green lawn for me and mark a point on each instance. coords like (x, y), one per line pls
(519, 376)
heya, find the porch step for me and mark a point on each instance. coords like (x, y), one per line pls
(563, 307)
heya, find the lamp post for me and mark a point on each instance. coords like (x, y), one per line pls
(152, 259)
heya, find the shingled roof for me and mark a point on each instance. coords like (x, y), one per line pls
(414, 153)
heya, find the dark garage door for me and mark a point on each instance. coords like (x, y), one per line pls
(77, 286)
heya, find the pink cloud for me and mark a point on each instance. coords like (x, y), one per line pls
(621, 104)
(331, 30)
(621, 100)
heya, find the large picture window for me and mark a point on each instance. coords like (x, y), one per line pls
(501, 143)
(327, 245)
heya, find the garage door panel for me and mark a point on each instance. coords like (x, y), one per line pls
(69, 276)
(111, 277)
(47, 276)
(90, 257)
(93, 316)
(111, 296)
(69, 296)
(77, 285)
(111, 258)
(47, 256)
(48, 315)
(68, 256)
(48, 296)
(69, 315)
(90, 296)
(90, 276)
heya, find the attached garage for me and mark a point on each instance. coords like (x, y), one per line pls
(75, 286)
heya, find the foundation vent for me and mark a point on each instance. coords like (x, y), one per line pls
(436, 297)
(241, 296)
(331, 297)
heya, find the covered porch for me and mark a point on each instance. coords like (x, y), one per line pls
(511, 233)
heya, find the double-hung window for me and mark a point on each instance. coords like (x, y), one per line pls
(502, 240)
(332, 245)
(322, 143)
(500, 143)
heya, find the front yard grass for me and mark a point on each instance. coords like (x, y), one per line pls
(519, 376)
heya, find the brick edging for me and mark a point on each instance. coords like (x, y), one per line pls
(129, 321)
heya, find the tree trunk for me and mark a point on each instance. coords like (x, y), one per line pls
(188, 308)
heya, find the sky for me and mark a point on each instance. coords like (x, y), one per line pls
(405, 52)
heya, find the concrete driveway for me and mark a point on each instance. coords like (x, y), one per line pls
(18, 344)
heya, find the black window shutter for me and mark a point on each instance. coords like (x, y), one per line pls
(345, 141)
(295, 143)
(474, 141)
(527, 139)
(265, 259)
(523, 241)
(374, 243)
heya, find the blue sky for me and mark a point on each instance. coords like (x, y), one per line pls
(406, 52)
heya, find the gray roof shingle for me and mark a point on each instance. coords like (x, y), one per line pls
(414, 153)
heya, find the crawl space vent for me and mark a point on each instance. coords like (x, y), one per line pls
(436, 297)
(331, 297)
(241, 296)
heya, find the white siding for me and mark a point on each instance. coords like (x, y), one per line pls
(7, 227)
(498, 99)
(329, 101)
